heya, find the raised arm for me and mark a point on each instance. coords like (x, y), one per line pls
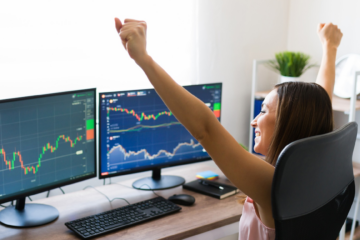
(330, 37)
(249, 173)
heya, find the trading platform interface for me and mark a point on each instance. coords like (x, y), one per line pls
(46, 141)
(137, 130)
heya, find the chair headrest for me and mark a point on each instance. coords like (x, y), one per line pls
(311, 171)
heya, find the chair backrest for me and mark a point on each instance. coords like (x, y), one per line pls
(313, 185)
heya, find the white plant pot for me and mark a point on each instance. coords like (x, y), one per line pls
(288, 79)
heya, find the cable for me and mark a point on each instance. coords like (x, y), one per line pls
(10, 204)
(124, 185)
(29, 198)
(107, 196)
(149, 189)
(139, 187)
(48, 193)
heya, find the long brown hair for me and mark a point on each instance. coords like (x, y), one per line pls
(303, 110)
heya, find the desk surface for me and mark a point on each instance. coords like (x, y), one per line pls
(206, 214)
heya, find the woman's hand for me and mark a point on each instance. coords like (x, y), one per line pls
(330, 38)
(330, 35)
(133, 37)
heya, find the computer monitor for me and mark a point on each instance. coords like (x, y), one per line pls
(139, 133)
(46, 142)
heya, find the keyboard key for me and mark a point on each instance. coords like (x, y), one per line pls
(119, 218)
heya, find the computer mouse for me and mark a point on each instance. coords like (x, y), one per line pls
(182, 199)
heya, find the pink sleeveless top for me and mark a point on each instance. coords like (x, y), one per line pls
(251, 227)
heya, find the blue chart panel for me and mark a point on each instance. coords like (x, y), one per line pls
(257, 109)
(45, 140)
(137, 130)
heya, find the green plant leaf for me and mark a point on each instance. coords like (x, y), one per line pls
(291, 64)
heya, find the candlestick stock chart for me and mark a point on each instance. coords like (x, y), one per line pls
(45, 141)
(138, 130)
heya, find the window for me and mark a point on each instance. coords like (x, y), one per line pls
(51, 46)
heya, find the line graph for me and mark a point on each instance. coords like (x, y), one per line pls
(47, 147)
(140, 127)
(146, 155)
(142, 115)
(137, 130)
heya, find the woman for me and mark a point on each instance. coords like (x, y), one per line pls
(291, 111)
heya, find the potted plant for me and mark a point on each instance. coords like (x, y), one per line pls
(290, 65)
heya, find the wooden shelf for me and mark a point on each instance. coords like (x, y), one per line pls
(339, 104)
(343, 105)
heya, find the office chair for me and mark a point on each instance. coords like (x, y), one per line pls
(313, 186)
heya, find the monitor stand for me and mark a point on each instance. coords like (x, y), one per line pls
(158, 181)
(28, 215)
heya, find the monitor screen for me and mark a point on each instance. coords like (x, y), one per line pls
(139, 133)
(46, 142)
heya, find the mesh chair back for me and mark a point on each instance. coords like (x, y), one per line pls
(313, 186)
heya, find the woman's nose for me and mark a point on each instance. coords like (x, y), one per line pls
(254, 122)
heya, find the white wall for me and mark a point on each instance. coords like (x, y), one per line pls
(304, 18)
(306, 14)
(231, 34)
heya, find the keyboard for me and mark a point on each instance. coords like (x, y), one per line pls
(122, 217)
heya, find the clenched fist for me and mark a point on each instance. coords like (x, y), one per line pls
(133, 37)
(330, 35)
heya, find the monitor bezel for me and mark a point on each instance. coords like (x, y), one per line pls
(47, 188)
(152, 167)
